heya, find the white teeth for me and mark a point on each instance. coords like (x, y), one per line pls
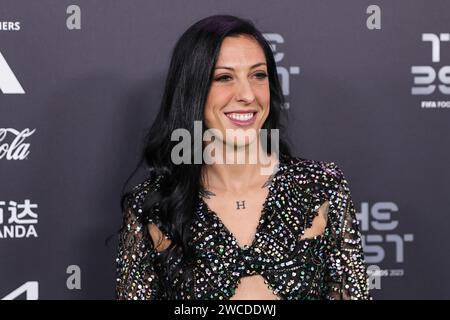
(240, 116)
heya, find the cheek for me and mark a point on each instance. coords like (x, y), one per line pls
(216, 100)
(208, 115)
(263, 97)
(209, 107)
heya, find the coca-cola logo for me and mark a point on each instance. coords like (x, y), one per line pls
(16, 148)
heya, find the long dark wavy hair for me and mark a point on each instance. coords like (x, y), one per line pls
(186, 88)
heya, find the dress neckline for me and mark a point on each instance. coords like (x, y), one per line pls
(264, 211)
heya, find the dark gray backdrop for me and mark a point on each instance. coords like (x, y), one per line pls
(91, 94)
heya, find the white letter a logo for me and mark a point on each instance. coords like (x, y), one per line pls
(8, 81)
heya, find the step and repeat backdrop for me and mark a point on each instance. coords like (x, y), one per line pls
(367, 85)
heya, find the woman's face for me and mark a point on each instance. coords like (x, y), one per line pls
(239, 95)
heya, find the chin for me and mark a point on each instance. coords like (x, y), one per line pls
(240, 141)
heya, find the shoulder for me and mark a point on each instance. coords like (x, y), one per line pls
(320, 181)
(326, 173)
(136, 197)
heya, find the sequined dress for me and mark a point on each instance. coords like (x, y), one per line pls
(327, 266)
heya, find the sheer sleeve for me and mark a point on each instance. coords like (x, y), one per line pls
(136, 276)
(346, 276)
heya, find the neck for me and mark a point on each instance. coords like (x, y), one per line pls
(239, 177)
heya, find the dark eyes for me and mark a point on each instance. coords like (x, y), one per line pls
(225, 78)
(261, 75)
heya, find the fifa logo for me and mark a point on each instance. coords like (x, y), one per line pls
(380, 237)
(425, 76)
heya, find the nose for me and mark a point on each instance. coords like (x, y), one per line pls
(244, 92)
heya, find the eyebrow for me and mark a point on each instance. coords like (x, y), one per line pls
(252, 67)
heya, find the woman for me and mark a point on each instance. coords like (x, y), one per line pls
(207, 230)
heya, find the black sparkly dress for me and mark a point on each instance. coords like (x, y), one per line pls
(326, 266)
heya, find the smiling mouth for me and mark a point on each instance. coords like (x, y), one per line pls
(242, 118)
